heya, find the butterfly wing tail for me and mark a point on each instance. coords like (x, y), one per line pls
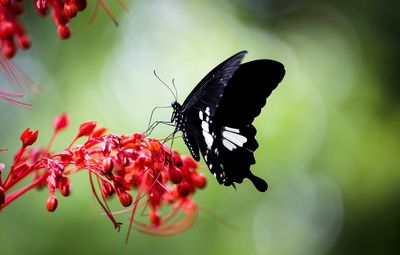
(259, 183)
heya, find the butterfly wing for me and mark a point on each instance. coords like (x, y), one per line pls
(243, 99)
(247, 91)
(209, 90)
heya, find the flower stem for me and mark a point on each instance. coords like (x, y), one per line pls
(109, 214)
(22, 191)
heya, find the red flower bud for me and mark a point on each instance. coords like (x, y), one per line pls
(177, 159)
(125, 198)
(86, 128)
(199, 180)
(24, 42)
(107, 190)
(99, 132)
(65, 190)
(41, 4)
(61, 122)
(189, 162)
(65, 186)
(28, 137)
(81, 4)
(175, 175)
(107, 165)
(8, 48)
(70, 10)
(51, 203)
(63, 31)
(183, 189)
(6, 29)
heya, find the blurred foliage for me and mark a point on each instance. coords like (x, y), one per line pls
(329, 136)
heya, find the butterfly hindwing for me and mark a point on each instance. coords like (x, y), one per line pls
(243, 98)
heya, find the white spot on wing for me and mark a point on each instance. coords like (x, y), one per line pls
(208, 110)
(201, 115)
(204, 126)
(230, 146)
(231, 129)
(209, 139)
(234, 138)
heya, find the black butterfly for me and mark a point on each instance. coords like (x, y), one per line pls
(216, 117)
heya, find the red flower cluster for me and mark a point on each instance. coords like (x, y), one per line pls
(13, 34)
(117, 165)
(63, 12)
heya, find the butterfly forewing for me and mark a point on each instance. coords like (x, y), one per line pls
(210, 89)
(247, 91)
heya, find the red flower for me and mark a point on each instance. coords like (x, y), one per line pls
(61, 122)
(140, 171)
(13, 34)
(86, 128)
(28, 137)
(99, 132)
(125, 198)
(107, 190)
(64, 186)
(51, 203)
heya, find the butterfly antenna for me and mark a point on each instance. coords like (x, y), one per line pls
(176, 90)
(172, 92)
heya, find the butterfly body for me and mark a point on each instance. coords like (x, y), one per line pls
(216, 118)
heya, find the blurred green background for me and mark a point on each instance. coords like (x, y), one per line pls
(329, 136)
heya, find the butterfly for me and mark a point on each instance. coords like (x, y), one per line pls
(216, 118)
